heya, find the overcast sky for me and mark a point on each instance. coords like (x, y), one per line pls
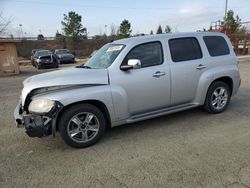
(45, 16)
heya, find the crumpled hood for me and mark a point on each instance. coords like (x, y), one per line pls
(66, 77)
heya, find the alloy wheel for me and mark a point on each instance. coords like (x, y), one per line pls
(219, 98)
(83, 127)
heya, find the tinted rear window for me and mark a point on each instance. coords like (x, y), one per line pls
(216, 45)
(184, 49)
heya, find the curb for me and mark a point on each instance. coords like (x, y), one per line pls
(243, 56)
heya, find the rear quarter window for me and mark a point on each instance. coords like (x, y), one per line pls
(216, 45)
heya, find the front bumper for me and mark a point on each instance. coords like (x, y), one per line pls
(17, 115)
(66, 60)
(48, 65)
(37, 125)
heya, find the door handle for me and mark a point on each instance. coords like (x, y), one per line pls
(159, 74)
(200, 67)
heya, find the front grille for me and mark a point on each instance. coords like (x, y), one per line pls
(45, 59)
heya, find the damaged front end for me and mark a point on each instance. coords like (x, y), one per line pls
(37, 124)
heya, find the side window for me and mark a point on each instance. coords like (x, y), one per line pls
(216, 45)
(149, 54)
(184, 49)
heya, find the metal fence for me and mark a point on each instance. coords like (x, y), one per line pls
(26, 38)
(37, 38)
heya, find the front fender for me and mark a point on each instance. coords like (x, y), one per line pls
(100, 93)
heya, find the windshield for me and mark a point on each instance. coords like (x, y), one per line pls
(63, 51)
(104, 57)
(43, 53)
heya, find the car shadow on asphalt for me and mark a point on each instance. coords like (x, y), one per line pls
(162, 122)
(178, 121)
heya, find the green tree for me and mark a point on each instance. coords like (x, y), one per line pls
(73, 27)
(125, 28)
(151, 32)
(231, 23)
(159, 30)
(168, 29)
(242, 30)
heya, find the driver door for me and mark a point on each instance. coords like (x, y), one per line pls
(148, 87)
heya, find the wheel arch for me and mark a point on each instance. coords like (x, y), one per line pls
(205, 84)
(100, 105)
(208, 104)
(226, 79)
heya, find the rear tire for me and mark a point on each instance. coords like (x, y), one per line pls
(218, 97)
(82, 125)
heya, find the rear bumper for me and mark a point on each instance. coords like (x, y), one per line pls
(236, 85)
(37, 125)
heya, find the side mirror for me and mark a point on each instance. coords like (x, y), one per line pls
(132, 64)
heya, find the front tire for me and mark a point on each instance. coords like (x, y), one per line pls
(218, 97)
(82, 125)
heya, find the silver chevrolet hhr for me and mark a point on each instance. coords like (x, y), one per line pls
(130, 80)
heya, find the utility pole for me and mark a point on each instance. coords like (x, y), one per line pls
(21, 30)
(105, 29)
(226, 9)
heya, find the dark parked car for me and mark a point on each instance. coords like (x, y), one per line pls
(45, 59)
(64, 56)
(33, 55)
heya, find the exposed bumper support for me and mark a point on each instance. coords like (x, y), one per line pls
(37, 125)
(17, 115)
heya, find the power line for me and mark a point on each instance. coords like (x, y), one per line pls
(87, 5)
(102, 7)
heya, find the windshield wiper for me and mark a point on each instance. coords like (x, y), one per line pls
(84, 66)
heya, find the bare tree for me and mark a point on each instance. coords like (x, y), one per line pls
(4, 23)
(118, 31)
(112, 30)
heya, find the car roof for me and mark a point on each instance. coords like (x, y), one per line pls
(37, 49)
(141, 39)
(43, 51)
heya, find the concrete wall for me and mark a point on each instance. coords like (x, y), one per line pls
(80, 48)
(8, 58)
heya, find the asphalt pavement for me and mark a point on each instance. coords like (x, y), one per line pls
(186, 149)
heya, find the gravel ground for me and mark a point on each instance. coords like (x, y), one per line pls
(187, 149)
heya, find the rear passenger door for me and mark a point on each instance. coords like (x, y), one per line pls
(187, 65)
